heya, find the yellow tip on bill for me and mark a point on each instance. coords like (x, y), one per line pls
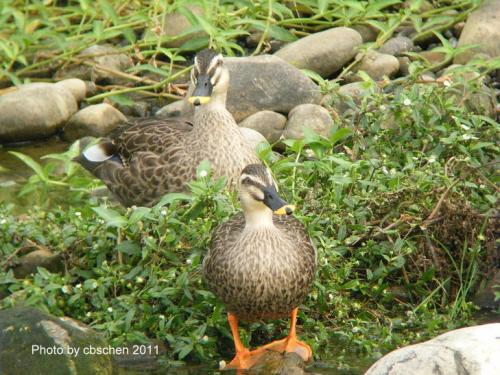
(199, 99)
(285, 210)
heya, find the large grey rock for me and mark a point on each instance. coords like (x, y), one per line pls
(471, 351)
(268, 123)
(95, 120)
(177, 26)
(310, 116)
(253, 137)
(36, 110)
(258, 83)
(25, 330)
(397, 46)
(325, 52)
(482, 28)
(377, 65)
(104, 60)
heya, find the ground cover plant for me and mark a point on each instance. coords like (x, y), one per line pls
(401, 199)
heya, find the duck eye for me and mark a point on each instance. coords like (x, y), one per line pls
(246, 180)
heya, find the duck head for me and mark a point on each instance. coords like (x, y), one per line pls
(259, 196)
(210, 78)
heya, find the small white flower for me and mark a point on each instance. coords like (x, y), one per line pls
(88, 314)
(189, 261)
(78, 286)
(204, 339)
(3, 221)
(384, 169)
(414, 158)
(383, 107)
(447, 83)
(407, 102)
(110, 309)
(330, 296)
(163, 212)
(203, 173)
(482, 186)
(139, 280)
(78, 213)
(65, 289)
(355, 329)
(465, 127)
(432, 159)
(162, 317)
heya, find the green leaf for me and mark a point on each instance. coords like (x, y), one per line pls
(138, 214)
(111, 217)
(280, 33)
(37, 168)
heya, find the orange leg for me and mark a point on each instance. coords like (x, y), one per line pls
(290, 343)
(244, 359)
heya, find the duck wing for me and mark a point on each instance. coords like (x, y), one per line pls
(152, 135)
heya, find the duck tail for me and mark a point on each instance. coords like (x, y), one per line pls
(95, 155)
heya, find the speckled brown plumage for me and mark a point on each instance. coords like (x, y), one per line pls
(262, 273)
(155, 156)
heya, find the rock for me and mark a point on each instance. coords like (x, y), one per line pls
(106, 56)
(471, 350)
(325, 52)
(175, 110)
(77, 87)
(368, 33)
(36, 110)
(377, 65)
(354, 92)
(25, 332)
(434, 58)
(478, 98)
(485, 297)
(309, 116)
(42, 257)
(266, 83)
(482, 28)
(178, 27)
(258, 83)
(397, 46)
(268, 123)
(418, 6)
(404, 65)
(95, 120)
(253, 137)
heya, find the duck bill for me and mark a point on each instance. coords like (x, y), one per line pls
(202, 92)
(275, 203)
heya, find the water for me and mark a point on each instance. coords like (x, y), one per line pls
(13, 172)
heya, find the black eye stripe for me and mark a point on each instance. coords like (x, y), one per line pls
(257, 198)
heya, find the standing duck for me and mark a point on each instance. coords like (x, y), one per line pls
(155, 156)
(261, 265)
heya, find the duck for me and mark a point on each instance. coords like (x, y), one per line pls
(143, 160)
(261, 265)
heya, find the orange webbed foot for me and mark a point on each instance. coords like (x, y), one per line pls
(243, 360)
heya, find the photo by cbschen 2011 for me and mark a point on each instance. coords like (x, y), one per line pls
(255, 187)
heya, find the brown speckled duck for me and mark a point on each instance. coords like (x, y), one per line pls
(153, 156)
(261, 265)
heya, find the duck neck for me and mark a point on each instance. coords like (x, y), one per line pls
(258, 219)
(216, 104)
